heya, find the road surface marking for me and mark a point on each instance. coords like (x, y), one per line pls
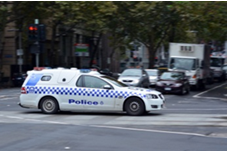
(125, 128)
(198, 109)
(157, 131)
(197, 95)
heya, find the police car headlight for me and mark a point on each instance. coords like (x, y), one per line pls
(178, 85)
(151, 96)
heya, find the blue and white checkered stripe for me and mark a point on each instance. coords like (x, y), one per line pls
(82, 92)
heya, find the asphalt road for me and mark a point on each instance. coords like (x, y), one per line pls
(193, 122)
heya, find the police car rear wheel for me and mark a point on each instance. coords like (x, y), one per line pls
(134, 107)
(49, 105)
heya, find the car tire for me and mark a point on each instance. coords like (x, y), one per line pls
(134, 107)
(188, 89)
(49, 105)
(183, 90)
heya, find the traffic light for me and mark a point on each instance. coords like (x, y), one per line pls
(33, 32)
(42, 32)
(37, 32)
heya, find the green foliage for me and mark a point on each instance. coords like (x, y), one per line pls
(149, 22)
(4, 13)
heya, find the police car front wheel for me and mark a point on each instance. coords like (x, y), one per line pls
(134, 106)
(49, 105)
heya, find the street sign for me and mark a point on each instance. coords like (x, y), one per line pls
(108, 60)
(19, 52)
(81, 49)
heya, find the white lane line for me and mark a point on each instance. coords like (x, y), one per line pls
(156, 131)
(36, 120)
(198, 95)
(13, 117)
(197, 109)
(47, 121)
(114, 127)
(8, 98)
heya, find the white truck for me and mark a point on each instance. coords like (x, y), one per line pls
(194, 59)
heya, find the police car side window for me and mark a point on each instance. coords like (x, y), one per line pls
(80, 82)
(93, 82)
(46, 78)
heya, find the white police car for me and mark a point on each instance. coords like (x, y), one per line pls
(53, 90)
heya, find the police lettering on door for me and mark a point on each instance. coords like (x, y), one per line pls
(85, 102)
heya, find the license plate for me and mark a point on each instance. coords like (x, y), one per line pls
(167, 89)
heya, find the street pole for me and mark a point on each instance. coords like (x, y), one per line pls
(19, 50)
(37, 44)
(20, 56)
(37, 59)
(37, 54)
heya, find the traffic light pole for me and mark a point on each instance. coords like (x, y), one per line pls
(37, 59)
(38, 45)
(37, 54)
(36, 35)
(20, 56)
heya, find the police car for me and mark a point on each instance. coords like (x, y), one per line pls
(53, 90)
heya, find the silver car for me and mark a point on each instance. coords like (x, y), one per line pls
(135, 77)
(153, 76)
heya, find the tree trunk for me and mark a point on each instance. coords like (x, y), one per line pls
(94, 51)
(1, 49)
(52, 55)
(152, 53)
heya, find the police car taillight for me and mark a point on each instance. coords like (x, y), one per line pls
(23, 90)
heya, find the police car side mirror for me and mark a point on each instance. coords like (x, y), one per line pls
(107, 87)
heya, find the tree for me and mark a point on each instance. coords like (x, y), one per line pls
(209, 19)
(147, 22)
(150, 22)
(90, 17)
(154, 23)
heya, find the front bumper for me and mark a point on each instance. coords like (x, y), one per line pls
(130, 84)
(217, 74)
(153, 81)
(155, 104)
(169, 89)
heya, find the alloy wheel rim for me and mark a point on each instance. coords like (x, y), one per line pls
(134, 106)
(49, 105)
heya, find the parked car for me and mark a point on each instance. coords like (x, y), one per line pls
(18, 79)
(153, 76)
(135, 77)
(224, 68)
(106, 72)
(173, 82)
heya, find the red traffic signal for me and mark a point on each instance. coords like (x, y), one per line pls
(33, 34)
(32, 28)
(36, 32)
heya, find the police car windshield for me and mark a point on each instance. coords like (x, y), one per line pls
(114, 81)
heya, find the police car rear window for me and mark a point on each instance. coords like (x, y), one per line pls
(46, 78)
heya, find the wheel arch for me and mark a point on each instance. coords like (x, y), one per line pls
(125, 101)
(48, 96)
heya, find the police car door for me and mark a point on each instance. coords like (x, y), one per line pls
(97, 98)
